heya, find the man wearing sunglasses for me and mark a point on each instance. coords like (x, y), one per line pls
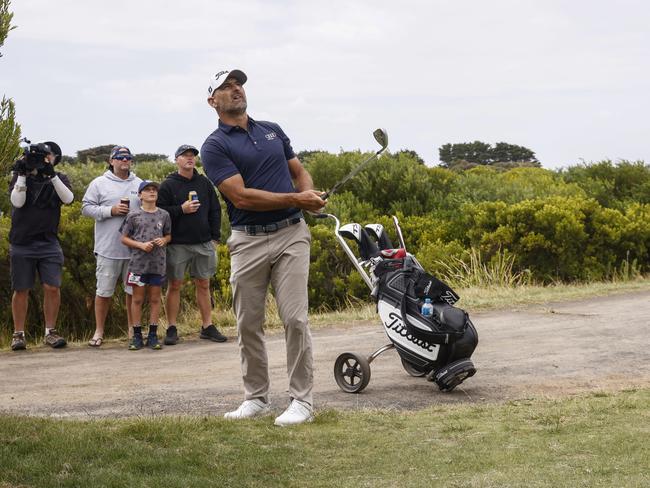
(107, 200)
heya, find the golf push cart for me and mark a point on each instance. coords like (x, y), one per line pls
(436, 344)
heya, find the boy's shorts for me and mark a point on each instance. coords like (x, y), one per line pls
(107, 273)
(200, 258)
(150, 279)
(44, 258)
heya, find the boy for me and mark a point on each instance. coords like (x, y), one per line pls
(146, 231)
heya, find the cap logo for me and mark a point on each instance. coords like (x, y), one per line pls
(216, 81)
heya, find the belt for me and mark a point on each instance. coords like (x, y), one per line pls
(252, 230)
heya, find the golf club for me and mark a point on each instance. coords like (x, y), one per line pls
(399, 233)
(381, 136)
(351, 231)
(379, 234)
(367, 247)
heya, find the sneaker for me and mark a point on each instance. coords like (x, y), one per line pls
(53, 339)
(212, 333)
(153, 342)
(171, 337)
(18, 341)
(297, 413)
(249, 409)
(136, 342)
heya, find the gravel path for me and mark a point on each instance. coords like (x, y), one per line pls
(599, 344)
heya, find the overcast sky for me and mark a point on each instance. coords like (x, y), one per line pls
(568, 79)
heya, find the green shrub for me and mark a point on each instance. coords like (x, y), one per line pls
(477, 226)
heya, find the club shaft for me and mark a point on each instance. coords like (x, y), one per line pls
(352, 174)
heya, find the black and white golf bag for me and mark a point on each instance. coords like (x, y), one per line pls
(440, 345)
(437, 346)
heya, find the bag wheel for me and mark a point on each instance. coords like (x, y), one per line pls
(453, 374)
(412, 369)
(351, 372)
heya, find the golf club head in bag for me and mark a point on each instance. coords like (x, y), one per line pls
(367, 247)
(378, 233)
(381, 136)
(351, 232)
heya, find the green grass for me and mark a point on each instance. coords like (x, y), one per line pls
(600, 440)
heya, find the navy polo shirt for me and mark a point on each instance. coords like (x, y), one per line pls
(260, 156)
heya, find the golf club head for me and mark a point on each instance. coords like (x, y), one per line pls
(378, 232)
(367, 247)
(351, 231)
(381, 136)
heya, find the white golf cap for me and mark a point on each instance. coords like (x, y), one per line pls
(218, 79)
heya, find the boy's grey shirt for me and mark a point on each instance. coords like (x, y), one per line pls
(102, 193)
(143, 226)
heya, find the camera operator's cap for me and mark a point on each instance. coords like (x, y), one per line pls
(147, 183)
(217, 80)
(54, 149)
(120, 151)
(185, 147)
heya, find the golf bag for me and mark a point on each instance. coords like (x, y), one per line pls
(439, 345)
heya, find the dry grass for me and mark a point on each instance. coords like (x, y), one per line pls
(474, 272)
(472, 299)
(495, 298)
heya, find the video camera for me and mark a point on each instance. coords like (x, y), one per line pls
(34, 154)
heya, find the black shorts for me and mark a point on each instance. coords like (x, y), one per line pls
(44, 258)
(150, 279)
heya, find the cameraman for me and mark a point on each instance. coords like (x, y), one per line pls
(37, 193)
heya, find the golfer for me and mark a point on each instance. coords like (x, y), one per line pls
(265, 187)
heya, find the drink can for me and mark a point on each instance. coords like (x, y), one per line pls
(125, 201)
(192, 196)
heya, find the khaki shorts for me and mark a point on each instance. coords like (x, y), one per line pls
(200, 258)
(108, 272)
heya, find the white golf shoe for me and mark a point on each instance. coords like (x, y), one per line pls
(297, 413)
(249, 409)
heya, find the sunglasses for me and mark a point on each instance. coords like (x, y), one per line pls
(123, 158)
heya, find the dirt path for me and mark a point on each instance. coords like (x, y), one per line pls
(600, 344)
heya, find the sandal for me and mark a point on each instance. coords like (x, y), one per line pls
(96, 341)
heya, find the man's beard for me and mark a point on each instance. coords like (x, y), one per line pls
(238, 108)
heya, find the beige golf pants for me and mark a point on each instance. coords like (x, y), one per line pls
(282, 259)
